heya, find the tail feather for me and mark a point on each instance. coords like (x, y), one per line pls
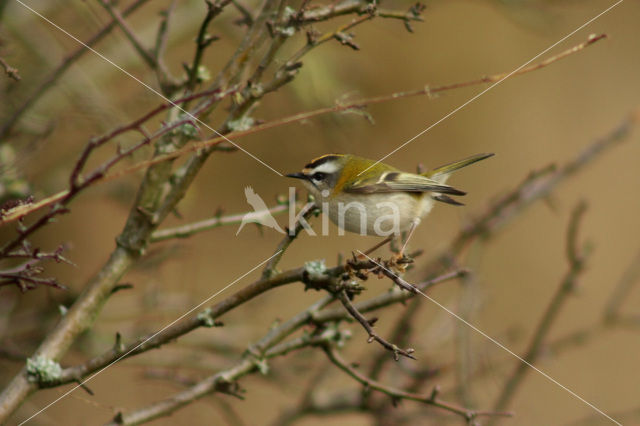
(441, 174)
(446, 199)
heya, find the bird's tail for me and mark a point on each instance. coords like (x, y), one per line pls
(441, 174)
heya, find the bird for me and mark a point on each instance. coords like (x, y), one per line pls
(372, 198)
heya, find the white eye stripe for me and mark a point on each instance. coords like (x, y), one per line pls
(328, 167)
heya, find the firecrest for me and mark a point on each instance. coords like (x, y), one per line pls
(371, 198)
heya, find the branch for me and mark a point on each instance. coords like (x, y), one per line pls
(576, 258)
(11, 72)
(185, 231)
(77, 183)
(620, 132)
(255, 360)
(367, 324)
(630, 278)
(203, 40)
(291, 234)
(397, 394)
(538, 185)
(167, 82)
(393, 296)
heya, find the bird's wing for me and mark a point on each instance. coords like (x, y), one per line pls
(400, 182)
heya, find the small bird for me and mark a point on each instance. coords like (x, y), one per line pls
(372, 198)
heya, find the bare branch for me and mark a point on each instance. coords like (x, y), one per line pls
(367, 324)
(397, 394)
(576, 258)
(11, 72)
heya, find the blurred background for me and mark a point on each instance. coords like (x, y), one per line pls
(529, 121)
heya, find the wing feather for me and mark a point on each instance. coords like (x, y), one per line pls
(401, 182)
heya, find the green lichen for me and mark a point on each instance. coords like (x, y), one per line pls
(315, 269)
(243, 123)
(206, 318)
(42, 370)
(203, 74)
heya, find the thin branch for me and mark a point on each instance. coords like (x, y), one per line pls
(397, 394)
(146, 343)
(168, 83)
(291, 234)
(185, 231)
(393, 296)
(576, 258)
(538, 185)
(11, 72)
(203, 40)
(226, 381)
(344, 298)
(630, 278)
(144, 53)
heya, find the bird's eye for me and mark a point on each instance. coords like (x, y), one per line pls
(318, 176)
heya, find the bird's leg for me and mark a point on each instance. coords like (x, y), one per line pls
(398, 260)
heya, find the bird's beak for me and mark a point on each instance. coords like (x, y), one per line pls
(298, 176)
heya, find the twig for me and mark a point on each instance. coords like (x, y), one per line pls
(203, 40)
(167, 82)
(162, 37)
(576, 258)
(344, 298)
(630, 278)
(397, 394)
(393, 296)
(185, 231)
(11, 72)
(306, 212)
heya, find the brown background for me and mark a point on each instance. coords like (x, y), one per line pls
(528, 121)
